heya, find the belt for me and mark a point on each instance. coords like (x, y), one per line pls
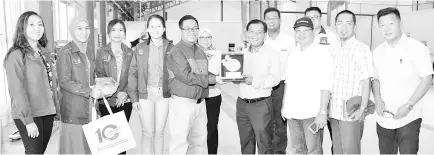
(187, 99)
(253, 100)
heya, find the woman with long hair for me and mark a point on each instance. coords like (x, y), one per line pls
(214, 100)
(76, 70)
(28, 71)
(113, 60)
(148, 84)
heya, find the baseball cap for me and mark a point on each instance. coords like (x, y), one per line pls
(304, 21)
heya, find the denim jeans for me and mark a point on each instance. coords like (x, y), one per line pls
(153, 115)
(405, 138)
(302, 139)
(347, 136)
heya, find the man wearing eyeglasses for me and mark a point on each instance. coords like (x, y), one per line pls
(254, 107)
(283, 44)
(353, 70)
(307, 90)
(403, 76)
(189, 80)
(322, 36)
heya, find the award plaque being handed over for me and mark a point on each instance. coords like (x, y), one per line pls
(232, 67)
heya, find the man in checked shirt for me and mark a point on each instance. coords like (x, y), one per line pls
(353, 70)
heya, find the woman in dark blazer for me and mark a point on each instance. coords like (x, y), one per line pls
(148, 84)
(76, 71)
(28, 70)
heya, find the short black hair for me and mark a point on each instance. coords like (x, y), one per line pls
(347, 12)
(257, 21)
(387, 11)
(272, 10)
(317, 9)
(113, 23)
(187, 17)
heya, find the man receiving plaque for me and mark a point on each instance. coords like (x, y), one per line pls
(254, 107)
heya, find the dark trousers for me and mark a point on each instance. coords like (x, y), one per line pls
(127, 108)
(329, 126)
(38, 144)
(254, 124)
(213, 112)
(405, 138)
(279, 139)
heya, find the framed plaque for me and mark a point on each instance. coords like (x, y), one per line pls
(232, 66)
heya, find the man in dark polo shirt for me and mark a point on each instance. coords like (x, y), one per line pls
(188, 83)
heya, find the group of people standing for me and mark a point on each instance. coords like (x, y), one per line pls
(325, 79)
(289, 82)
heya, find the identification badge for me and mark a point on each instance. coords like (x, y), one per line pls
(107, 58)
(77, 61)
(140, 52)
(324, 41)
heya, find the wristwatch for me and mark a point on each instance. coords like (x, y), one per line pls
(410, 107)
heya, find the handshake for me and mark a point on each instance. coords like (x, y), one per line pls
(104, 87)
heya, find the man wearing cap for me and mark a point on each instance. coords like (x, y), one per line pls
(322, 35)
(254, 107)
(353, 70)
(283, 44)
(306, 96)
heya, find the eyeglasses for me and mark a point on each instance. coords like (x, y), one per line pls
(207, 37)
(194, 29)
(341, 23)
(316, 17)
(302, 31)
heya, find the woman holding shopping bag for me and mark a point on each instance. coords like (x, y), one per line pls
(114, 61)
(28, 70)
(148, 84)
(76, 68)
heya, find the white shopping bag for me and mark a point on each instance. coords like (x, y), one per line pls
(110, 134)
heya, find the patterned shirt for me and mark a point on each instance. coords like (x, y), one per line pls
(119, 60)
(353, 63)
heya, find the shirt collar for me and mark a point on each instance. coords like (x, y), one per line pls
(322, 30)
(400, 42)
(349, 42)
(74, 47)
(189, 45)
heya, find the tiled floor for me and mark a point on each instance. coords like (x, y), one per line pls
(229, 140)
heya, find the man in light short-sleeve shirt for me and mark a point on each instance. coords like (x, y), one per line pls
(403, 76)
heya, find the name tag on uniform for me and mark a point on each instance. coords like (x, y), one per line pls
(107, 58)
(324, 41)
(140, 52)
(76, 61)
